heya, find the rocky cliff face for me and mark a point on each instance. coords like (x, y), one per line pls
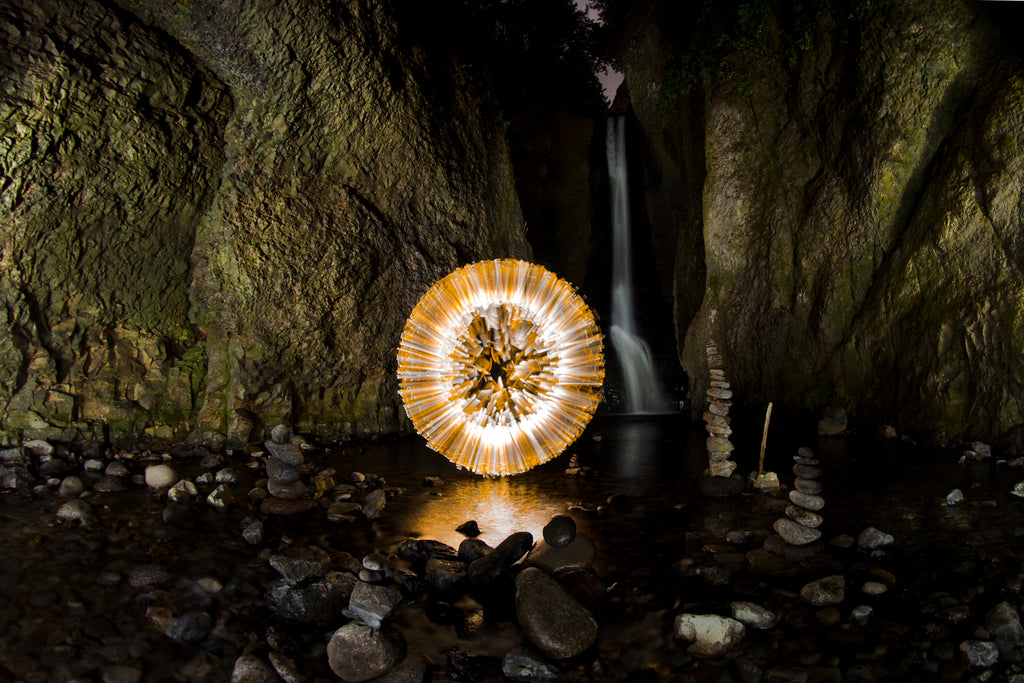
(861, 210)
(219, 215)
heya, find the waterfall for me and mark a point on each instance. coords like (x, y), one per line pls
(643, 390)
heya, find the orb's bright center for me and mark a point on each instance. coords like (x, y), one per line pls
(502, 366)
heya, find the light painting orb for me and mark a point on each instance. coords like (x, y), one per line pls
(500, 366)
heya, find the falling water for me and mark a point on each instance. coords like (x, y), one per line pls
(643, 390)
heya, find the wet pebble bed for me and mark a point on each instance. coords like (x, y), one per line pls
(147, 589)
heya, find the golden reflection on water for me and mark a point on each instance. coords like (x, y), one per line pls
(500, 507)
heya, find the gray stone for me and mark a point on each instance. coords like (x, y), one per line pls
(357, 652)
(980, 653)
(71, 485)
(287, 453)
(160, 476)
(807, 501)
(550, 617)
(286, 668)
(76, 510)
(1018, 489)
(709, 635)
(251, 669)
(794, 533)
(116, 468)
(560, 531)
(183, 490)
(221, 497)
(37, 448)
(809, 486)
(827, 591)
(804, 517)
(374, 503)
(226, 476)
(872, 538)
(1004, 627)
(301, 563)
(753, 615)
(280, 434)
(110, 484)
(473, 548)
(192, 627)
(874, 588)
(578, 556)
(807, 471)
(94, 465)
(522, 664)
(148, 575)
(489, 567)
(861, 614)
(290, 491)
(373, 603)
(445, 575)
(375, 562)
(954, 497)
(280, 472)
(318, 601)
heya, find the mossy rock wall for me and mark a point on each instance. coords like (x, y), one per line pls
(861, 210)
(218, 215)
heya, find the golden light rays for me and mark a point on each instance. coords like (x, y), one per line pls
(500, 366)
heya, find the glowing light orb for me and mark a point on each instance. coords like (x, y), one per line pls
(500, 366)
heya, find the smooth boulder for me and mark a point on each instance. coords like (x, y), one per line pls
(551, 618)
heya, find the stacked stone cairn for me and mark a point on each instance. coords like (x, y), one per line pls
(719, 479)
(284, 463)
(796, 546)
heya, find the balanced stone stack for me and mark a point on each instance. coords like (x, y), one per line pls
(719, 479)
(796, 546)
(284, 463)
(717, 417)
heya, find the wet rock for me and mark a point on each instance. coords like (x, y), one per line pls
(1004, 627)
(148, 575)
(376, 562)
(301, 563)
(827, 591)
(522, 664)
(110, 484)
(472, 549)
(287, 669)
(709, 635)
(795, 534)
(872, 538)
(489, 567)
(373, 603)
(221, 497)
(470, 529)
(343, 511)
(292, 490)
(1018, 489)
(119, 673)
(560, 531)
(15, 477)
(806, 500)
(286, 453)
(445, 575)
(357, 652)
(374, 503)
(280, 434)
(874, 588)
(807, 471)
(71, 486)
(253, 533)
(182, 490)
(804, 517)
(37, 448)
(318, 601)
(861, 614)
(811, 487)
(226, 475)
(465, 666)
(550, 617)
(285, 506)
(411, 583)
(282, 473)
(421, 550)
(577, 556)
(190, 628)
(76, 510)
(980, 653)
(753, 615)
(116, 468)
(93, 465)
(251, 669)
(211, 461)
(954, 497)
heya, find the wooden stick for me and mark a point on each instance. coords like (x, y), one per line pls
(764, 439)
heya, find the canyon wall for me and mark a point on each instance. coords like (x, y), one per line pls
(218, 215)
(857, 236)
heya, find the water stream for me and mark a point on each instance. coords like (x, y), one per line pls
(642, 388)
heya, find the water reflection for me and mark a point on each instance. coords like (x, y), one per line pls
(499, 506)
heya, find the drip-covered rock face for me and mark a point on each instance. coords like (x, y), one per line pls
(500, 366)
